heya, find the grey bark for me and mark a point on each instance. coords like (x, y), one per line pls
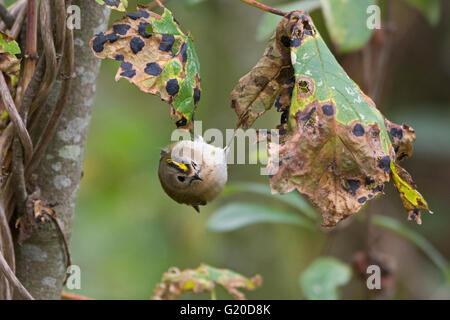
(41, 262)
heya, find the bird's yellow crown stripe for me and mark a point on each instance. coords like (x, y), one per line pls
(178, 165)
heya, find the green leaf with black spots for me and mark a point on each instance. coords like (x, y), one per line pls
(203, 279)
(320, 281)
(119, 5)
(346, 22)
(9, 63)
(157, 57)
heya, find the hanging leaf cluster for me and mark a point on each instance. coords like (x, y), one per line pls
(203, 279)
(335, 146)
(157, 57)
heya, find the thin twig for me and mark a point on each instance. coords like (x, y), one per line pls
(384, 55)
(367, 67)
(14, 11)
(31, 50)
(264, 7)
(51, 125)
(159, 3)
(16, 179)
(374, 84)
(64, 239)
(7, 246)
(19, 125)
(51, 63)
(53, 49)
(9, 274)
(7, 17)
(153, 4)
(18, 24)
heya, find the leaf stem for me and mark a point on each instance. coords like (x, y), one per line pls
(264, 7)
(213, 294)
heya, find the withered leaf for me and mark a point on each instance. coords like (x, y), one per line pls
(203, 279)
(157, 57)
(256, 92)
(338, 149)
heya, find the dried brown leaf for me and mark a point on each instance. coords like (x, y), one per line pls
(256, 92)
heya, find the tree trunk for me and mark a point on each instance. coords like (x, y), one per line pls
(41, 262)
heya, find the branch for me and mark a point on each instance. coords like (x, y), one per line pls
(6, 16)
(6, 270)
(384, 55)
(264, 7)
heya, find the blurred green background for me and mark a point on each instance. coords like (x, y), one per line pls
(127, 231)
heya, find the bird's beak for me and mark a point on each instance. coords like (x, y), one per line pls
(197, 177)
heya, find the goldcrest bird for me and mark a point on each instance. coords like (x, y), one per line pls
(193, 172)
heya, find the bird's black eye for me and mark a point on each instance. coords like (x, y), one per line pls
(181, 178)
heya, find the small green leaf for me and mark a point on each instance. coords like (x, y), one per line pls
(294, 199)
(237, 215)
(346, 21)
(322, 278)
(119, 5)
(270, 21)
(431, 9)
(8, 45)
(157, 57)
